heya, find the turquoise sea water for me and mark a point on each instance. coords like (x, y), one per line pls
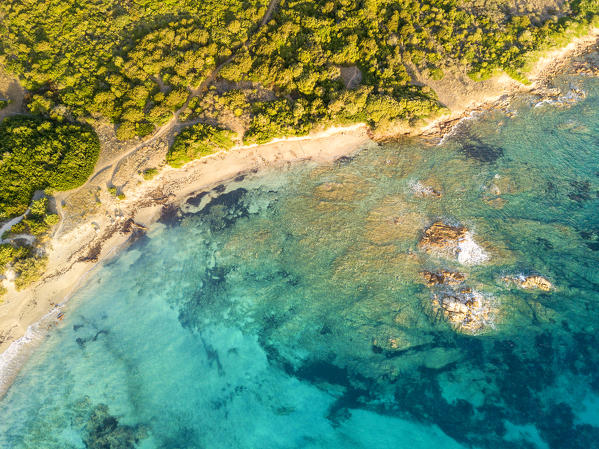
(288, 310)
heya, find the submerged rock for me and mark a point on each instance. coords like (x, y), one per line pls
(475, 148)
(442, 277)
(425, 189)
(530, 282)
(496, 203)
(104, 431)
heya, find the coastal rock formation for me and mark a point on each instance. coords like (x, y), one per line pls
(443, 238)
(585, 69)
(451, 242)
(465, 309)
(442, 277)
(530, 282)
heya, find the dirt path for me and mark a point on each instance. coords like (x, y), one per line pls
(167, 127)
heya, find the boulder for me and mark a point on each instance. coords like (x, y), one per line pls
(442, 237)
(442, 277)
(530, 282)
(465, 309)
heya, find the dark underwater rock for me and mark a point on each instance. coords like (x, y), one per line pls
(196, 199)
(225, 209)
(103, 431)
(474, 148)
(581, 191)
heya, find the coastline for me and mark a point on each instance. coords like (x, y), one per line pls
(84, 245)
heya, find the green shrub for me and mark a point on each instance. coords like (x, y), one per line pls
(41, 153)
(38, 208)
(197, 141)
(51, 219)
(9, 253)
(29, 270)
(149, 173)
(37, 222)
(19, 228)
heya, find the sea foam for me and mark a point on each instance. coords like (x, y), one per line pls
(19, 350)
(469, 252)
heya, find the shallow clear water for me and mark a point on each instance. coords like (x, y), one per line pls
(288, 309)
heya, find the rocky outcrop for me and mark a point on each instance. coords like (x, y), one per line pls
(442, 277)
(465, 309)
(452, 242)
(443, 238)
(103, 431)
(531, 282)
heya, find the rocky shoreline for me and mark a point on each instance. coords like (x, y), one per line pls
(89, 235)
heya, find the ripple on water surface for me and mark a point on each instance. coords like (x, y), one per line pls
(436, 296)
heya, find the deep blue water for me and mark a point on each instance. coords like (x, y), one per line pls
(289, 310)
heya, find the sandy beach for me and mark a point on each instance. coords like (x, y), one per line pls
(95, 224)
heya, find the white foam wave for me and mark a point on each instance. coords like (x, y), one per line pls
(19, 350)
(572, 96)
(420, 189)
(469, 252)
(454, 129)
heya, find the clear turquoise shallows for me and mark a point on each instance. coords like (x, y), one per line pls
(289, 309)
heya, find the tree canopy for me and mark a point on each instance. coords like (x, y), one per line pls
(42, 153)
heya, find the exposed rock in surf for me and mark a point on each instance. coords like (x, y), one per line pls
(442, 277)
(469, 252)
(532, 282)
(465, 309)
(451, 242)
(442, 237)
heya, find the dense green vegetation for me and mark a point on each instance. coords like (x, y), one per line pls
(29, 270)
(292, 77)
(132, 62)
(313, 63)
(136, 62)
(38, 220)
(197, 141)
(28, 261)
(42, 153)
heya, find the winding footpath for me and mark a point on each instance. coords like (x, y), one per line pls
(165, 129)
(116, 162)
